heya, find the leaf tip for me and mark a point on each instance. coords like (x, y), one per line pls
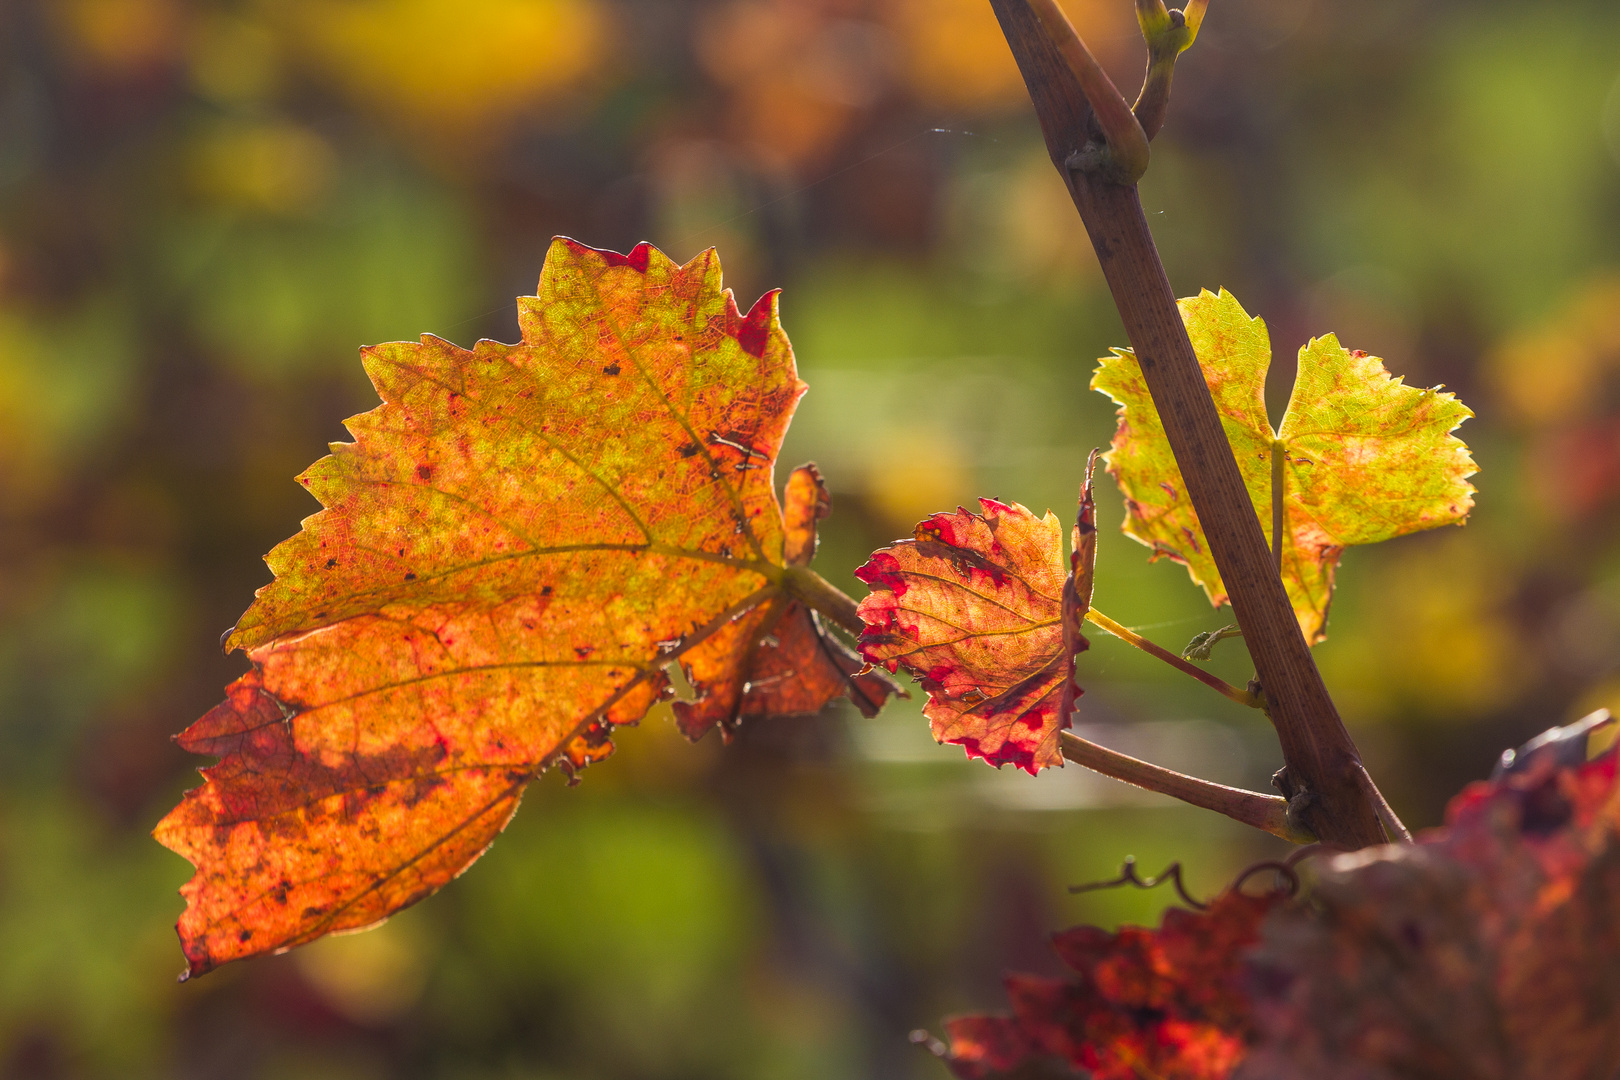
(754, 330)
(638, 259)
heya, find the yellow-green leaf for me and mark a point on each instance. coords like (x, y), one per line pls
(1366, 457)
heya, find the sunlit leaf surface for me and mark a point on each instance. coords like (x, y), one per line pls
(1367, 458)
(1166, 1003)
(517, 543)
(972, 606)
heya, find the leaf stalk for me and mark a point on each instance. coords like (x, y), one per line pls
(1279, 481)
(819, 594)
(1221, 686)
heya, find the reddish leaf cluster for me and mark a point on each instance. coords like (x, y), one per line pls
(1165, 1003)
(1488, 949)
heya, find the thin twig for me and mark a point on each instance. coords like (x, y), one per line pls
(1265, 812)
(1281, 869)
(1126, 634)
(1309, 851)
(1287, 867)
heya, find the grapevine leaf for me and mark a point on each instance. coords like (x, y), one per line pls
(518, 542)
(777, 660)
(982, 611)
(1367, 458)
(804, 503)
(1490, 948)
(1167, 1003)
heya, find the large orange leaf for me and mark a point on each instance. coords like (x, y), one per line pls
(983, 612)
(518, 541)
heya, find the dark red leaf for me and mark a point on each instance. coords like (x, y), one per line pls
(1168, 1003)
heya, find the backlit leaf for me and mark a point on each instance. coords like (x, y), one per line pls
(518, 541)
(983, 612)
(1167, 1003)
(1367, 457)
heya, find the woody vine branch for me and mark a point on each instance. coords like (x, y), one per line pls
(1088, 137)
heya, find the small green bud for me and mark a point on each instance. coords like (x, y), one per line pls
(1202, 645)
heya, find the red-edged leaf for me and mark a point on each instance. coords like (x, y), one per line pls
(973, 607)
(1488, 949)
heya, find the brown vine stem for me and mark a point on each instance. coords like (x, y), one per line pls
(1322, 763)
(1125, 151)
(1266, 812)
(1131, 637)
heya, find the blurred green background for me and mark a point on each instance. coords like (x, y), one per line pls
(206, 207)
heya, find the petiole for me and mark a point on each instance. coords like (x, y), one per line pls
(1126, 634)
